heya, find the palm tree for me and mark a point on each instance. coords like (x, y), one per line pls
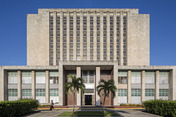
(73, 86)
(106, 87)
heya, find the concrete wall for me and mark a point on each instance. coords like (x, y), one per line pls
(138, 39)
(38, 39)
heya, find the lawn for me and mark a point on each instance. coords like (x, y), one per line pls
(88, 113)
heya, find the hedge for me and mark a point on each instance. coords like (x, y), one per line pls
(131, 105)
(16, 108)
(161, 107)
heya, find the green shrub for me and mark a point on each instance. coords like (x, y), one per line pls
(41, 106)
(16, 108)
(131, 105)
(161, 107)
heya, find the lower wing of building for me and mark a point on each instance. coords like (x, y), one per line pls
(135, 84)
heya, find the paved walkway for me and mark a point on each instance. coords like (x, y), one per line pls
(120, 112)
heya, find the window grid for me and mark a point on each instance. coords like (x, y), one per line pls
(163, 92)
(135, 92)
(40, 92)
(64, 38)
(26, 92)
(58, 39)
(12, 92)
(122, 92)
(118, 39)
(149, 92)
(51, 39)
(54, 92)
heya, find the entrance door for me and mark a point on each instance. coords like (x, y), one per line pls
(88, 99)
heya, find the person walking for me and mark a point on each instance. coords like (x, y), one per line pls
(51, 105)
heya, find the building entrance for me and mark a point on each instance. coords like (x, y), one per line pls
(88, 99)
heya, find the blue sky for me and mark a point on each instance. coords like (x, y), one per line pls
(13, 25)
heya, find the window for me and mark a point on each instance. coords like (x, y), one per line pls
(135, 77)
(54, 92)
(40, 92)
(88, 76)
(163, 77)
(122, 77)
(40, 77)
(122, 92)
(12, 77)
(149, 92)
(26, 77)
(135, 92)
(12, 92)
(26, 92)
(149, 77)
(163, 92)
(54, 79)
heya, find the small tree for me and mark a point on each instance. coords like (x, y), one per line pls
(73, 86)
(106, 87)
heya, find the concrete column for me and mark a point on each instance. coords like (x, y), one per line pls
(19, 85)
(2, 84)
(61, 36)
(108, 37)
(5, 84)
(78, 74)
(115, 73)
(143, 86)
(33, 85)
(54, 39)
(68, 36)
(121, 38)
(88, 36)
(47, 88)
(157, 84)
(61, 85)
(95, 35)
(74, 36)
(101, 36)
(81, 36)
(129, 87)
(97, 81)
(115, 39)
(172, 86)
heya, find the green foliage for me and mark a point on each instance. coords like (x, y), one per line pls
(16, 108)
(161, 107)
(132, 105)
(74, 85)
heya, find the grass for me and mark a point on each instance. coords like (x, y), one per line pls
(88, 113)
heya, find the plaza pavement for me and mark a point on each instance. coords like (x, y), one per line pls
(120, 112)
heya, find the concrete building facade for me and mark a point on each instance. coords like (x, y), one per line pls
(93, 44)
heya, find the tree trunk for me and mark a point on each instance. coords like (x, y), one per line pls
(104, 102)
(73, 102)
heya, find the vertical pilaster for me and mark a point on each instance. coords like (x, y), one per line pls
(128, 36)
(81, 36)
(115, 74)
(61, 36)
(108, 37)
(47, 87)
(172, 86)
(33, 85)
(129, 87)
(19, 85)
(78, 74)
(97, 81)
(61, 85)
(101, 36)
(143, 86)
(54, 38)
(121, 38)
(94, 37)
(74, 36)
(88, 36)
(157, 84)
(68, 36)
(115, 37)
